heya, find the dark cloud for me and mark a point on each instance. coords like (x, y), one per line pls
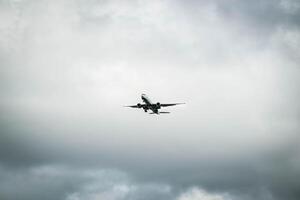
(262, 15)
(67, 67)
(61, 182)
(265, 15)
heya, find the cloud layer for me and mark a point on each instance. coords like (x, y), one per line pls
(68, 67)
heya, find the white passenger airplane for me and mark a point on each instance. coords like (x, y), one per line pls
(154, 107)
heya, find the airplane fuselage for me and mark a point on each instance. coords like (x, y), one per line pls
(149, 105)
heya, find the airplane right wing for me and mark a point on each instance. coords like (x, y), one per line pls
(170, 104)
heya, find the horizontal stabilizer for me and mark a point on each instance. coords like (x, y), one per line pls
(160, 113)
(164, 112)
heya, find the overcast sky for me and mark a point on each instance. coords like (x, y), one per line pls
(67, 67)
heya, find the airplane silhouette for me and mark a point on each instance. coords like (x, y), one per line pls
(154, 107)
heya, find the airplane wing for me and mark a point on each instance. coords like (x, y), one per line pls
(136, 106)
(170, 104)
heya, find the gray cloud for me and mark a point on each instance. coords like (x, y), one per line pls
(67, 67)
(59, 182)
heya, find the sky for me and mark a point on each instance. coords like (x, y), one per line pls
(67, 68)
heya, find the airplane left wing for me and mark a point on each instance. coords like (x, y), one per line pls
(170, 104)
(136, 106)
(132, 106)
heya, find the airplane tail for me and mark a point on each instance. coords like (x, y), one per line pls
(160, 113)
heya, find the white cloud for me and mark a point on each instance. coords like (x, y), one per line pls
(199, 194)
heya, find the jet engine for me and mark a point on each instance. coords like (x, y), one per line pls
(158, 105)
(139, 105)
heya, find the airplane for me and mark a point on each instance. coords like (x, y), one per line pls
(154, 107)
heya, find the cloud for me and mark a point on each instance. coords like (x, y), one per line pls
(196, 194)
(61, 182)
(67, 183)
(68, 67)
